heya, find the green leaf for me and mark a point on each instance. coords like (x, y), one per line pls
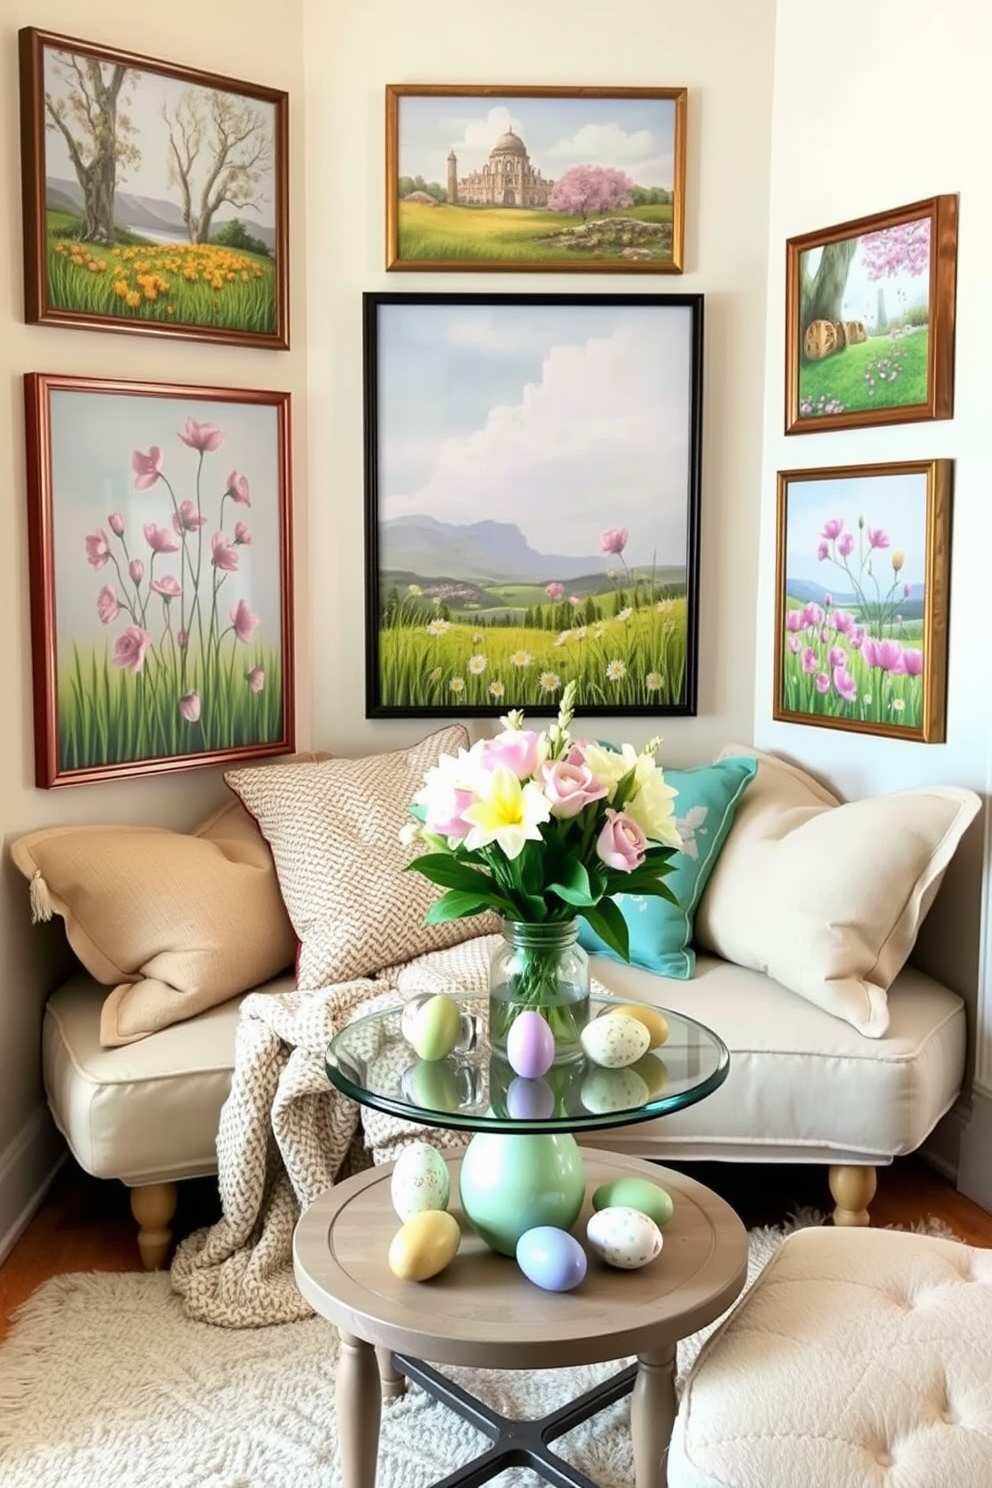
(623, 789)
(575, 888)
(456, 905)
(443, 869)
(609, 924)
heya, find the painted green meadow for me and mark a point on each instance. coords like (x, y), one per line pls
(883, 372)
(523, 234)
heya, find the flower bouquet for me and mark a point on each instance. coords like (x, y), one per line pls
(543, 829)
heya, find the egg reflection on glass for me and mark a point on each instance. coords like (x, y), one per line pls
(551, 1258)
(530, 1100)
(605, 1090)
(654, 1072)
(530, 1045)
(432, 1084)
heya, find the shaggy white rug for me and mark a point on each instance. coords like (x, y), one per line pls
(105, 1384)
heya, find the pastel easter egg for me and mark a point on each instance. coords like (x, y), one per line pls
(655, 1023)
(419, 1181)
(530, 1100)
(410, 1012)
(605, 1090)
(551, 1258)
(530, 1045)
(654, 1072)
(614, 1040)
(636, 1193)
(435, 1026)
(424, 1245)
(623, 1237)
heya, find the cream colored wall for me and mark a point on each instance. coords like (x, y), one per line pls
(235, 37)
(722, 51)
(901, 111)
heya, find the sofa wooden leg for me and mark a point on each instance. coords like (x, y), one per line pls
(853, 1189)
(153, 1206)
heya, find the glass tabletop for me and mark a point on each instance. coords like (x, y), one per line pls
(474, 1089)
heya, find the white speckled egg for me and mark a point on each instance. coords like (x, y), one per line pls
(615, 1040)
(623, 1237)
(419, 1181)
(606, 1090)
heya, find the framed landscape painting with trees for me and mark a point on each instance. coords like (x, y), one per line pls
(532, 503)
(161, 576)
(155, 196)
(870, 320)
(862, 598)
(558, 179)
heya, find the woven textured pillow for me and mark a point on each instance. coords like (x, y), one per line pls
(334, 832)
(826, 897)
(174, 922)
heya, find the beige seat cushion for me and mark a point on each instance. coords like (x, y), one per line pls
(860, 1358)
(828, 897)
(802, 1085)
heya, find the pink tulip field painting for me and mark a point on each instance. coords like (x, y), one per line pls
(861, 637)
(532, 495)
(581, 179)
(161, 588)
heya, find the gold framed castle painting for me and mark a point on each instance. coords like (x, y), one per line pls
(582, 180)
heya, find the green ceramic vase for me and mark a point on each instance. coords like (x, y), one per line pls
(511, 1183)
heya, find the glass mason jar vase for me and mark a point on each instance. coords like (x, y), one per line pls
(542, 968)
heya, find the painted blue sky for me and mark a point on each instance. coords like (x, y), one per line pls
(93, 436)
(897, 503)
(635, 134)
(562, 419)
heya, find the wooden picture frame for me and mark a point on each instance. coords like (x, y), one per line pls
(184, 231)
(485, 204)
(161, 578)
(532, 477)
(869, 321)
(861, 624)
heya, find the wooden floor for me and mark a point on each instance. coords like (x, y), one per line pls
(86, 1224)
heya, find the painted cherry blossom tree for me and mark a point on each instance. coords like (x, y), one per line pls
(591, 188)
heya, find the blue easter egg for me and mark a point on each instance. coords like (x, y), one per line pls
(551, 1258)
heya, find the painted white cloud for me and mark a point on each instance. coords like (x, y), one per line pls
(605, 144)
(601, 439)
(482, 133)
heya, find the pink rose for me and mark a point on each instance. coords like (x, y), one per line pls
(621, 844)
(130, 648)
(569, 787)
(517, 749)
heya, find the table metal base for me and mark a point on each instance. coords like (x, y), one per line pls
(517, 1443)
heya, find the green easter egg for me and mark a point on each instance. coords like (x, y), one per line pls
(435, 1027)
(636, 1193)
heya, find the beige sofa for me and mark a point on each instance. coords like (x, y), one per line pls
(804, 1086)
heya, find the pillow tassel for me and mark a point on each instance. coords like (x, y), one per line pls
(41, 900)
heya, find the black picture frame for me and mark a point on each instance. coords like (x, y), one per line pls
(622, 424)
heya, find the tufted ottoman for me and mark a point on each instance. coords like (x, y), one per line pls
(859, 1359)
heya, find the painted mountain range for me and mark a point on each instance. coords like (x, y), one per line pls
(476, 550)
(148, 214)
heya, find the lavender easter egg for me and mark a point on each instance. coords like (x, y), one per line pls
(530, 1100)
(530, 1045)
(551, 1258)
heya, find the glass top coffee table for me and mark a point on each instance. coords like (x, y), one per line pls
(522, 1168)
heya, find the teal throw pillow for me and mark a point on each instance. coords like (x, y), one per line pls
(661, 933)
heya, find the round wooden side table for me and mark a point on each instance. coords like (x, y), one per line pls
(483, 1312)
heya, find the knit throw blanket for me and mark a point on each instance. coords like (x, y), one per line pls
(286, 1134)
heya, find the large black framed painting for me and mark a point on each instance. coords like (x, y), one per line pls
(532, 467)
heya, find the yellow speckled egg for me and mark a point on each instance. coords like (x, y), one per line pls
(614, 1040)
(655, 1023)
(434, 1030)
(423, 1246)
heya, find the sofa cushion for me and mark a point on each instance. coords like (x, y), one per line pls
(334, 830)
(828, 898)
(802, 1084)
(174, 922)
(661, 932)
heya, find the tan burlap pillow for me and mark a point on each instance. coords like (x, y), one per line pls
(175, 922)
(334, 833)
(828, 897)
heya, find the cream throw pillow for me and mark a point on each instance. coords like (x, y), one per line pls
(827, 898)
(174, 922)
(334, 832)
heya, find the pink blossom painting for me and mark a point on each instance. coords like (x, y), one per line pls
(870, 320)
(589, 180)
(861, 632)
(161, 584)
